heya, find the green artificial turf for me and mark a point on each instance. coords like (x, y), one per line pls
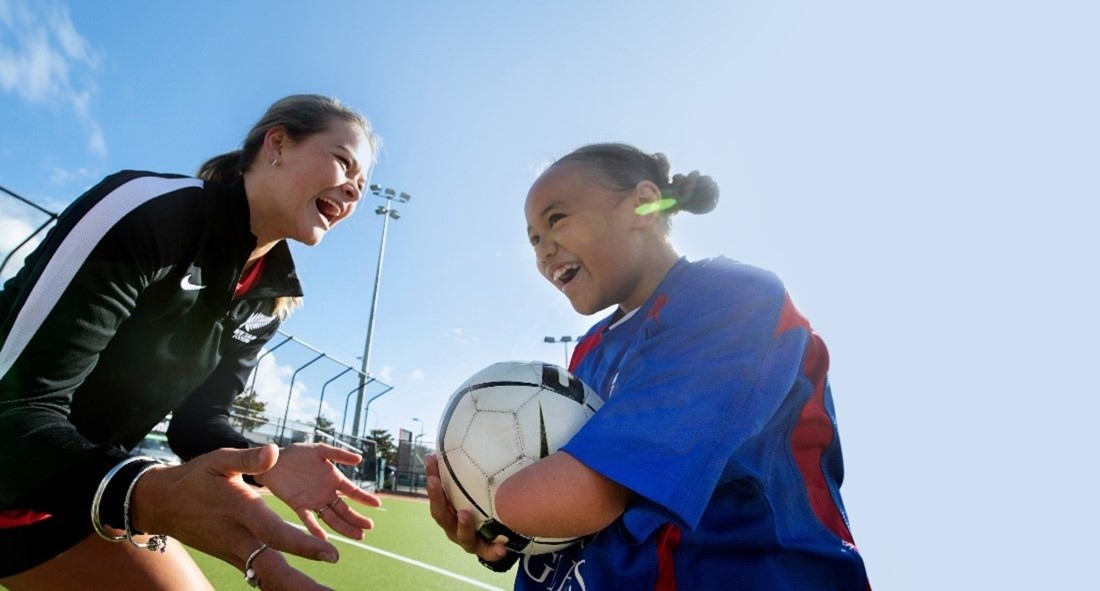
(403, 527)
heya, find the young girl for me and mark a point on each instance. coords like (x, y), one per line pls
(154, 294)
(714, 462)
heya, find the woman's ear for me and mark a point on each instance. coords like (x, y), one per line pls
(646, 200)
(275, 141)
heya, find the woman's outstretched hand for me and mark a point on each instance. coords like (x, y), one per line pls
(306, 479)
(206, 505)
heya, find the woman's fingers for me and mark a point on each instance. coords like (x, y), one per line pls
(274, 573)
(310, 519)
(266, 525)
(346, 521)
(231, 462)
(357, 494)
(338, 455)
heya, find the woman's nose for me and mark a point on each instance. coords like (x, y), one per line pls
(352, 192)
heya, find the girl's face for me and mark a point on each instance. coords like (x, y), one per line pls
(320, 180)
(587, 238)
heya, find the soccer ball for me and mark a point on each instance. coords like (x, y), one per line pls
(500, 421)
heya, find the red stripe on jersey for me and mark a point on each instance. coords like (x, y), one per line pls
(250, 279)
(583, 348)
(814, 432)
(668, 539)
(655, 309)
(20, 517)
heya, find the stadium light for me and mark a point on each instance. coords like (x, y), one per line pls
(387, 212)
(565, 340)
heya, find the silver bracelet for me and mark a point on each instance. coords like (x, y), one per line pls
(98, 498)
(156, 541)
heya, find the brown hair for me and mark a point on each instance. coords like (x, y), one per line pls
(301, 115)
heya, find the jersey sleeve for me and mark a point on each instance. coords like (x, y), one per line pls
(705, 376)
(201, 423)
(63, 309)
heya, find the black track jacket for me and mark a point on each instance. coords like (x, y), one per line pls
(123, 314)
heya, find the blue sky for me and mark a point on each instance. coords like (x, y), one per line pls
(922, 175)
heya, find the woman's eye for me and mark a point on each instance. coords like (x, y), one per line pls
(554, 218)
(344, 162)
(534, 238)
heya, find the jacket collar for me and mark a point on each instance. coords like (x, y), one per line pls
(280, 277)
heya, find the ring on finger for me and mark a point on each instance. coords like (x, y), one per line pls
(331, 505)
(249, 572)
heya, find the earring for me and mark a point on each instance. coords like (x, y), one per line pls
(275, 161)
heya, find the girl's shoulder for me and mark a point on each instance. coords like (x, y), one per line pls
(724, 278)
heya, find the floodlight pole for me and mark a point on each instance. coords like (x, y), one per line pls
(386, 211)
(565, 345)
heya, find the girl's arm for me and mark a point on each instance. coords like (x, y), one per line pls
(559, 497)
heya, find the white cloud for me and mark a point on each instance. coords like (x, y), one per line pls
(44, 59)
(14, 230)
(84, 176)
(458, 336)
(272, 384)
(385, 374)
(417, 374)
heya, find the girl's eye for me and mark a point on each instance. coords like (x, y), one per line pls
(344, 162)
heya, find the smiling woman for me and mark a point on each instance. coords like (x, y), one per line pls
(154, 294)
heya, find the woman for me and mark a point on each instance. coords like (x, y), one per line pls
(714, 462)
(154, 294)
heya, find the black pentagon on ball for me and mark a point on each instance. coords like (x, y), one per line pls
(551, 380)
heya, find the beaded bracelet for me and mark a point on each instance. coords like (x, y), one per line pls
(98, 498)
(156, 541)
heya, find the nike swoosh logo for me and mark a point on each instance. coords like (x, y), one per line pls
(186, 284)
(544, 448)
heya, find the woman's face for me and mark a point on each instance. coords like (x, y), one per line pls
(321, 178)
(584, 236)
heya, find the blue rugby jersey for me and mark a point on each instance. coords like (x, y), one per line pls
(718, 416)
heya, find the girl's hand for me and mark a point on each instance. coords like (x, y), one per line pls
(205, 504)
(459, 526)
(306, 480)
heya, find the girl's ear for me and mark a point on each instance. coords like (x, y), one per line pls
(646, 200)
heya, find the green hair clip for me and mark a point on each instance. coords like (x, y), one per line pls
(656, 206)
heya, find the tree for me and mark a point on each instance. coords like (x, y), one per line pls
(323, 424)
(249, 410)
(386, 448)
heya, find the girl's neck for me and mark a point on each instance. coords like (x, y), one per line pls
(658, 264)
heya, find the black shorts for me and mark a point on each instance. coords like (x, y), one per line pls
(25, 547)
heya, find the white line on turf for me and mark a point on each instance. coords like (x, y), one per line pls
(422, 565)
